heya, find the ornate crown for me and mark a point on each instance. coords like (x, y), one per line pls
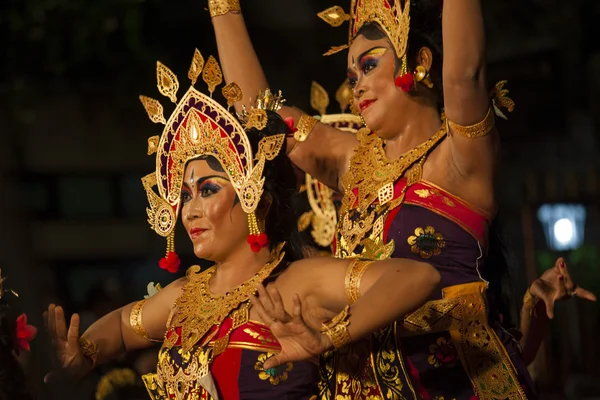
(388, 14)
(257, 116)
(323, 214)
(200, 126)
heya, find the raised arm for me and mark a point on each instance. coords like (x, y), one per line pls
(466, 94)
(110, 336)
(326, 152)
(377, 293)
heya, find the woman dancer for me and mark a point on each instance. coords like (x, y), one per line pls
(232, 184)
(417, 183)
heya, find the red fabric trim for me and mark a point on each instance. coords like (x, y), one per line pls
(416, 380)
(226, 372)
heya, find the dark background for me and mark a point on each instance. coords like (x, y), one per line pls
(73, 148)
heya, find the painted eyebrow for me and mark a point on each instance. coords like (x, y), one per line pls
(205, 178)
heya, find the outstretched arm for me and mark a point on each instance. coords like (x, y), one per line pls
(326, 153)
(112, 334)
(318, 289)
(466, 94)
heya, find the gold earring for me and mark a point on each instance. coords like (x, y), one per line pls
(422, 75)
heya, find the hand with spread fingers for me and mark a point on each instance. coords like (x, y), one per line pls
(298, 340)
(556, 284)
(68, 356)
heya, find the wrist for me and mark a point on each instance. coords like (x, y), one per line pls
(336, 330)
(222, 7)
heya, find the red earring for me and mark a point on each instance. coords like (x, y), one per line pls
(170, 261)
(406, 81)
(256, 239)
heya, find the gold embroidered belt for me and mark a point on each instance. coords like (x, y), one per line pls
(463, 313)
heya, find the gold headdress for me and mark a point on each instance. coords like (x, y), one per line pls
(393, 19)
(201, 126)
(323, 214)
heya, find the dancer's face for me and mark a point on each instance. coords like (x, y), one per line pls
(371, 73)
(211, 212)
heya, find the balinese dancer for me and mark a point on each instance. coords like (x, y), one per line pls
(232, 183)
(417, 183)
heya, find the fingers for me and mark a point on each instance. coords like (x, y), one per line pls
(72, 336)
(584, 294)
(279, 312)
(260, 310)
(297, 307)
(275, 361)
(265, 298)
(549, 307)
(52, 321)
(61, 325)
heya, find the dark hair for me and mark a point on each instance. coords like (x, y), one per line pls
(13, 384)
(280, 186)
(498, 271)
(425, 31)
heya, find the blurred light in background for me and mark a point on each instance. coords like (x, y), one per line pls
(564, 225)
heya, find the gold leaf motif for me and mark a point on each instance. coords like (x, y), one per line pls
(304, 220)
(153, 144)
(335, 49)
(167, 82)
(319, 99)
(270, 146)
(334, 16)
(344, 95)
(256, 118)
(196, 67)
(212, 74)
(423, 193)
(154, 109)
(232, 93)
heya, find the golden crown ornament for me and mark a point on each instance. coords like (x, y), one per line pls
(390, 15)
(200, 126)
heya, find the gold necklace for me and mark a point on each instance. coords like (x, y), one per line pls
(372, 175)
(196, 311)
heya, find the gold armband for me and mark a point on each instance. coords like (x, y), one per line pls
(135, 320)
(530, 302)
(305, 126)
(89, 349)
(222, 7)
(337, 329)
(474, 131)
(354, 275)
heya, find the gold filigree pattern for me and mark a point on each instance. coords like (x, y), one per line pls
(197, 311)
(212, 74)
(153, 144)
(154, 109)
(324, 217)
(196, 66)
(232, 93)
(167, 82)
(426, 242)
(276, 375)
(319, 98)
(442, 353)
(393, 19)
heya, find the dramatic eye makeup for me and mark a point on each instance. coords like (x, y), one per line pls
(205, 186)
(366, 62)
